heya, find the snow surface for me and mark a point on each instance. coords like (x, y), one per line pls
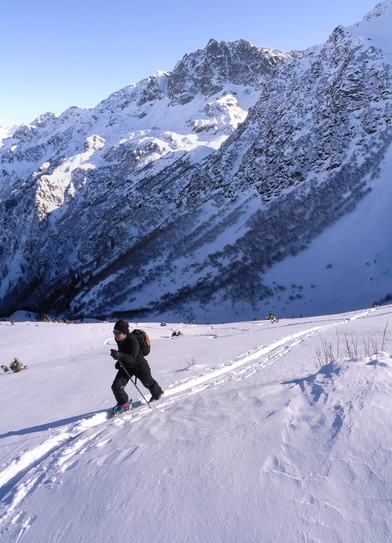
(259, 438)
(6, 132)
(353, 251)
(376, 25)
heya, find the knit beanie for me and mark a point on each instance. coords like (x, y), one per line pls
(122, 326)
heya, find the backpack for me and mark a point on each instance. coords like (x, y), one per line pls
(144, 341)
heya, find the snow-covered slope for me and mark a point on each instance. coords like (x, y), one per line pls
(201, 210)
(6, 132)
(270, 432)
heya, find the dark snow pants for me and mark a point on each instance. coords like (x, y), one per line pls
(143, 373)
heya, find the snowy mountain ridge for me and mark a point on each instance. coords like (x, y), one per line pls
(171, 189)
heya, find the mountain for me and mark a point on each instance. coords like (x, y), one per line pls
(225, 189)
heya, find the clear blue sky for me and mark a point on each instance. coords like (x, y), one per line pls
(59, 53)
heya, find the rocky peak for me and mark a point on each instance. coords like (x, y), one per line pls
(207, 71)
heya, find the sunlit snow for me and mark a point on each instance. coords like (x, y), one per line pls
(260, 436)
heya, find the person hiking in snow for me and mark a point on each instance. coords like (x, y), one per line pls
(130, 362)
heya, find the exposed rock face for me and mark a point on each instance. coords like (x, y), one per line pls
(209, 71)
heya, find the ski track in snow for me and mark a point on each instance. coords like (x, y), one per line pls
(41, 465)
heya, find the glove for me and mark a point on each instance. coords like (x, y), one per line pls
(117, 365)
(114, 354)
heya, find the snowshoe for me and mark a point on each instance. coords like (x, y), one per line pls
(119, 409)
(155, 398)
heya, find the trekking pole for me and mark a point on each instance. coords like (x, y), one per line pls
(137, 388)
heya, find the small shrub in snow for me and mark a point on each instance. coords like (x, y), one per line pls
(17, 366)
(271, 317)
(46, 318)
(192, 362)
(351, 348)
(5, 368)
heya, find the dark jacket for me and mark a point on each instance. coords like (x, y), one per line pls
(130, 354)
